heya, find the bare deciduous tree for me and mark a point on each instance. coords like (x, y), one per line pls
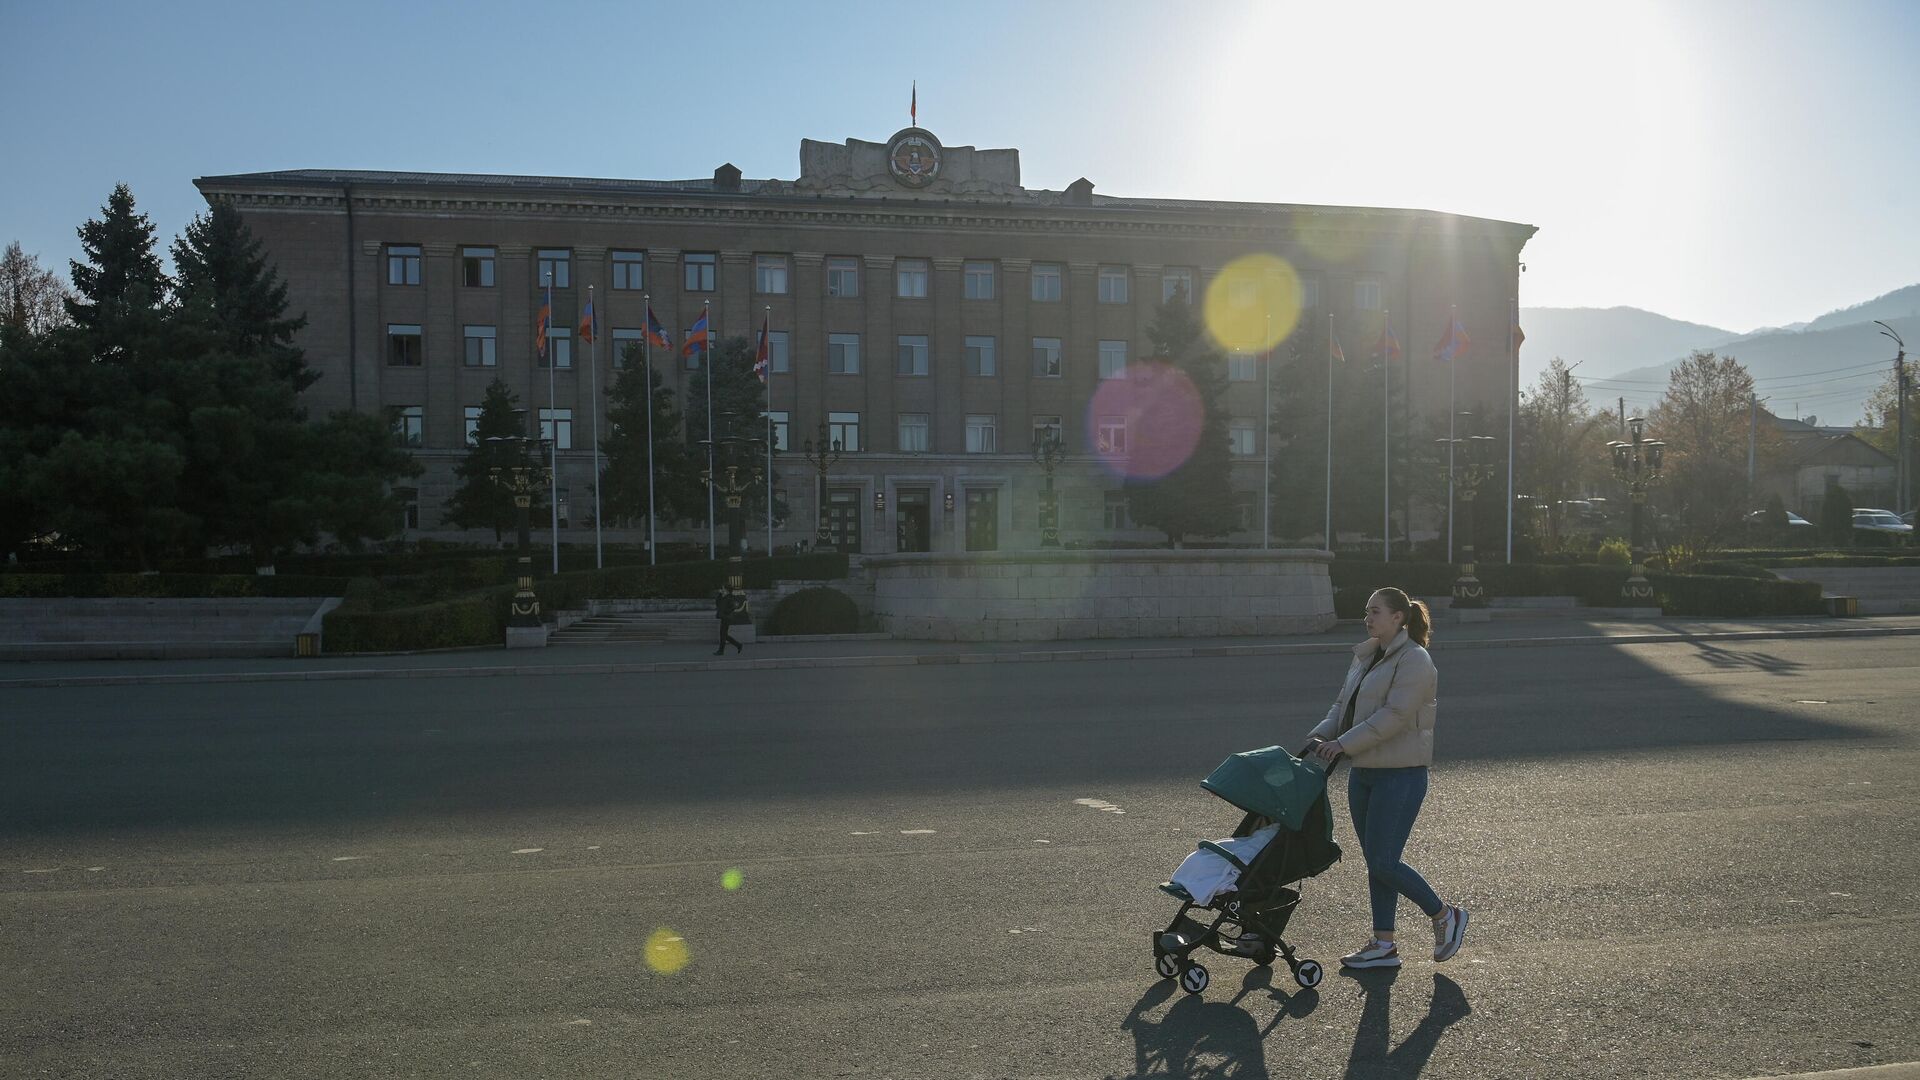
(30, 296)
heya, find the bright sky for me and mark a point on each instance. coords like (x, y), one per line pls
(1733, 162)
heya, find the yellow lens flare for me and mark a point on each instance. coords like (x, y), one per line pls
(730, 880)
(1253, 304)
(666, 952)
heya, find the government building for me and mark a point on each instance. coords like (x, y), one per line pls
(935, 315)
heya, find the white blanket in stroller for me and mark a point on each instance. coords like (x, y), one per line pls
(1206, 874)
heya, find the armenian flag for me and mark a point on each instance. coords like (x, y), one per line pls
(541, 323)
(1453, 340)
(1388, 346)
(696, 337)
(586, 321)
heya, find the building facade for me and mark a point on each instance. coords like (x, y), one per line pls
(932, 312)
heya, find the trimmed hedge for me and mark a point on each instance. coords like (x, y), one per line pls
(168, 585)
(1727, 597)
(1725, 594)
(819, 610)
(475, 619)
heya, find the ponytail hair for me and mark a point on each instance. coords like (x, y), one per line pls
(1419, 619)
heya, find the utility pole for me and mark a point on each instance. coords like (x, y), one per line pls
(1623, 417)
(1753, 432)
(1903, 469)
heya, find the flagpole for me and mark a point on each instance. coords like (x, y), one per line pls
(1513, 406)
(1329, 500)
(1386, 439)
(766, 423)
(553, 444)
(1453, 363)
(706, 364)
(646, 351)
(1266, 441)
(593, 383)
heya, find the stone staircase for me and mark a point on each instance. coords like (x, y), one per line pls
(638, 627)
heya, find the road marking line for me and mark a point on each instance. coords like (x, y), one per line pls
(348, 858)
(916, 832)
(528, 850)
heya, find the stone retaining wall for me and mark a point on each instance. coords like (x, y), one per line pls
(1048, 595)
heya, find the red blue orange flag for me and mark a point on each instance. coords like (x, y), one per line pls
(541, 323)
(1334, 351)
(696, 337)
(586, 321)
(763, 356)
(1453, 340)
(656, 333)
(1389, 346)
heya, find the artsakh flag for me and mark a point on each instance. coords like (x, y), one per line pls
(1333, 350)
(696, 337)
(1389, 346)
(1519, 337)
(586, 321)
(763, 356)
(1453, 340)
(656, 333)
(541, 323)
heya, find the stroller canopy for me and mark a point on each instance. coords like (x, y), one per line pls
(1269, 782)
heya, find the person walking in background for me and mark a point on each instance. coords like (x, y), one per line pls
(730, 608)
(1382, 720)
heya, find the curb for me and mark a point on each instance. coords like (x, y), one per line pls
(928, 659)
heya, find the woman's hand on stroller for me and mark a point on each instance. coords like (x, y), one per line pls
(1325, 751)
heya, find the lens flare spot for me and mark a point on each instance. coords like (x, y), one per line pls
(1253, 304)
(730, 880)
(666, 951)
(1145, 424)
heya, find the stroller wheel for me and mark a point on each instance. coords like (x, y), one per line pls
(1167, 964)
(1308, 974)
(1194, 979)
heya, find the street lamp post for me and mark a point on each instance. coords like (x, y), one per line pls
(822, 455)
(1469, 474)
(521, 481)
(732, 487)
(1048, 452)
(1636, 464)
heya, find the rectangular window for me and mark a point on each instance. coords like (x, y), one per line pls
(912, 355)
(777, 424)
(559, 348)
(403, 264)
(770, 274)
(1047, 427)
(480, 344)
(843, 277)
(1110, 435)
(403, 345)
(1240, 437)
(630, 270)
(410, 513)
(629, 348)
(779, 352)
(911, 275)
(1113, 284)
(1367, 295)
(409, 423)
(843, 430)
(1117, 516)
(913, 433)
(1046, 358)
(1309, 294)
(980, 359)
(1241, 367)
(476, 267)
(983, 435)
(1176, 281)
(553, 266)
(701, 268)
(843, 354)
(557, 425)
(1046, 282)
(473, 424)
(1113, 359)
(978, 280)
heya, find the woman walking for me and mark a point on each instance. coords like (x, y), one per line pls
(1383, 721)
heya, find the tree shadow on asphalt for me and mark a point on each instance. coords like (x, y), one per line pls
(1207, 1040)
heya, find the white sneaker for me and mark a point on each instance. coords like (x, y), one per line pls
(1449, 933)
(1377, 954)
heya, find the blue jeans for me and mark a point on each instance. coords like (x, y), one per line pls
(1384, 803)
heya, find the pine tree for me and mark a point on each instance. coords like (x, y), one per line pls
(120, 286)
(739, 409)
(1195, 498)
(226, 284)
(674, 473)
(479, 502)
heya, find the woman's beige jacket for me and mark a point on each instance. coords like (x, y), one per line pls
(1393, 716)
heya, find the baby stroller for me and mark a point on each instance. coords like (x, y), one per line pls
(1248, 919)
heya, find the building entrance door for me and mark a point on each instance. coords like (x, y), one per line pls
(983, 519)
(916, 519)
(843, 518)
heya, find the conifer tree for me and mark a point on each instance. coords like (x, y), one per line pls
(1195, 499)
(120, 286)
(226, 283)
(479, 502)
(674, 472)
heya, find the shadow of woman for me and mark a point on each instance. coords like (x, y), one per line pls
(1370, 1057)
(1206, 1039)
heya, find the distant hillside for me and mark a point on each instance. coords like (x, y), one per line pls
(1824, 368)
(1609, 340)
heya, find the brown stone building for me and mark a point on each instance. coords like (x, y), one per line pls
(932, 310)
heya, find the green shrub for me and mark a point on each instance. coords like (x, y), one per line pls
(1614, 552)
(168, 585)
(818, 610)
(1733, 568)
(475, 619)
(1733, 597)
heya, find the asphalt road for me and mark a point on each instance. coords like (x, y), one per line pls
(1684, 860)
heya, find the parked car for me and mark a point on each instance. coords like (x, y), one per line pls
(1759, 518)
(1880, 521)
(1907, 517)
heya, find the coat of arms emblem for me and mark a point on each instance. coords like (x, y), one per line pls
(914, 158)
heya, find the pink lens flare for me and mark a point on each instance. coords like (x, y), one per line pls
(1146, 423)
